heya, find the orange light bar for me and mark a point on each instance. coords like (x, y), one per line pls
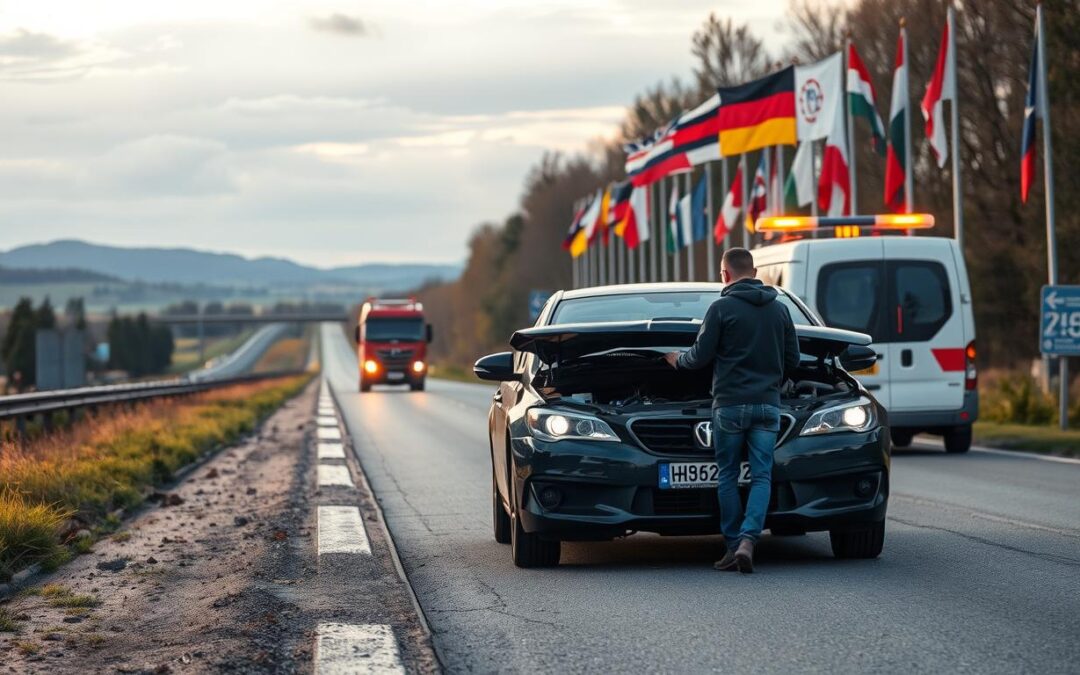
(900, 221)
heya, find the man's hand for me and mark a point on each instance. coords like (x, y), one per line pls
(672, 359)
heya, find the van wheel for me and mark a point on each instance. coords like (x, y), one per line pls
(865, 542)
(500, 518)
(529, 550)
(901, 438)
(958, 439)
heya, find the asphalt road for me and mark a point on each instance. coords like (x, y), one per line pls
(980, 573)
(245, 357)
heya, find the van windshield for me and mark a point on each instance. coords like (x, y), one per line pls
(671, 305)
(389, 330)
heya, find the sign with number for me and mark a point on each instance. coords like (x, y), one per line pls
(536, 303)
(1060, 321)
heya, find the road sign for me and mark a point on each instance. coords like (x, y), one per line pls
(536, 303)
(1059, 334)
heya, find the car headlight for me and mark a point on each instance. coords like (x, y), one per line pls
(558, 425)
(853, 416)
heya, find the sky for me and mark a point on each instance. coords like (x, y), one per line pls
(326, 132)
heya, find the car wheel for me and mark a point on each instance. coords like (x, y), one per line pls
(417, 386)
(958, 439)
(865, 542)
(901, 438)
(500, 518)
(527, 549)
(364, 386)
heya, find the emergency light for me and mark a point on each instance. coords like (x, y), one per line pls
(899, 221)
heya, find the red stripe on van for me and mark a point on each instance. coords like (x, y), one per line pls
(951, 359)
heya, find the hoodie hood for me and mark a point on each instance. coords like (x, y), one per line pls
(750, 290)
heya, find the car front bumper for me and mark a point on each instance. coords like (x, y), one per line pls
(607, 489)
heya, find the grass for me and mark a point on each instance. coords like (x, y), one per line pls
(285, 354)
(75, 478)
(8, 622)
(1041, 439)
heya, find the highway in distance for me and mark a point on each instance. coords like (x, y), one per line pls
(980, 572)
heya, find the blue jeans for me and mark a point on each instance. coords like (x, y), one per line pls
(752, 427)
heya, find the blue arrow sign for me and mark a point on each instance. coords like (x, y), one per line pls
(1059, 323)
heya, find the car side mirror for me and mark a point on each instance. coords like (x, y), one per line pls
(357, 334)
(858, 357)
(496, 367)
(430, 335)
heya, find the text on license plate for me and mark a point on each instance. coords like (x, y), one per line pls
(677, 475)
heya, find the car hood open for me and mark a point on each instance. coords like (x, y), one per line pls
(566, 342)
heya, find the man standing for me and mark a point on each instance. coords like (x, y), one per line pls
(750, 341)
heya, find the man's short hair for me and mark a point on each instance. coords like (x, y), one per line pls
(738, 261)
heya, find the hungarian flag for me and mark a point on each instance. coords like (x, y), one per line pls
(1032, 110)
(942, 88)
(895, 159)
(834, 185)
(758, 114)
(862, 100)
(687, 141)
(729, 212)
(634, 225)
(799, 186)
(759, 191)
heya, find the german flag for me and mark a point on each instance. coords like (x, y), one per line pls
(758, 114)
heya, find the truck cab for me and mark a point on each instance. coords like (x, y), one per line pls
(391, 342)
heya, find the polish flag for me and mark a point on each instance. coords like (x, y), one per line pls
(942, 87)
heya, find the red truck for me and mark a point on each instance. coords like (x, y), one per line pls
(391, 343)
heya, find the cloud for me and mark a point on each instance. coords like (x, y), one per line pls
(342, 24)
(164, 165)
(23, 44)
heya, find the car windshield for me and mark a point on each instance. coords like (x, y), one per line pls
(671, 305)
(385, 330)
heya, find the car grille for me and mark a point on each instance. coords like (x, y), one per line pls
(393, 359)
(675, 435)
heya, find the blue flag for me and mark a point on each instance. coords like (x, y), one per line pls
(699, 218)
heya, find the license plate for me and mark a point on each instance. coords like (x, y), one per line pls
(678, 475)
(395, 376)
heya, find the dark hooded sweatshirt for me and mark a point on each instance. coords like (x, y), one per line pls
(750, 340)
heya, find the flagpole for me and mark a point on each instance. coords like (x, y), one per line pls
(642, 276)
(814, 182)
(1043, 108)
(676, 272)
(663, 229)
(690, 276)
(724, 183)
(654, 233)
(850, 119)
(958, 197)
(613, 258)
(710, 240)
(909, 175)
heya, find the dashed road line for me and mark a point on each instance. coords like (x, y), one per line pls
(326, 410)
(342, 648)
(341, 530)
(331, 450)
(326, 421)
(331, 475)
(328, 434)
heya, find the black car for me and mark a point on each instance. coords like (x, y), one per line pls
(593, 436)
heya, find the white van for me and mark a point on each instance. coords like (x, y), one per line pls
(912, 295)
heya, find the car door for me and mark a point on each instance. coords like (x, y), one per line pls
(846, 286)
(926, 321)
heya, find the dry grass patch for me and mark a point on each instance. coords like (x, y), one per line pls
(8, 622)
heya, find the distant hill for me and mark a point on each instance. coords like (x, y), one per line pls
(189, 266)
(49, 275)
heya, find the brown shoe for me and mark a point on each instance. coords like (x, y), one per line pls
(727, 563)
(744, 556)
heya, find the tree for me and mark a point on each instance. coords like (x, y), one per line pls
(726, 55)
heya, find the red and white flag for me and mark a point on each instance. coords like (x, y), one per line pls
(896, 159)
(834, 185)
(942, 87)
(729, 212)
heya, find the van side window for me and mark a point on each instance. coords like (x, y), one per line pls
(849, 296)
(922, 298)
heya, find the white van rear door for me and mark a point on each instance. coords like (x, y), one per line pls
(846, 286)
(926, 322)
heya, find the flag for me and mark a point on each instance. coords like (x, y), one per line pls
(684, 218)
(620, 205)
(687, 141)
(673, 220)
(575, 240)
(759, 202)
(758, 114)
(819, 94)
(1032, 110)
(776, 191)
(729, 212)
(862, 100)
(942, 87)
(834, 185)
(699, 213)
(591, 218)
(895, 159)
(799, 187)
(634, 227)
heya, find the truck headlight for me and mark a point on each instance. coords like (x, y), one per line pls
(852, 416)
(558, 425)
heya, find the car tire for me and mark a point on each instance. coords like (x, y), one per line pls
(901, 438)
(364, 386)
(417, 386)
(865, 542)
(500, 518)
(529, 550)
(958, 439)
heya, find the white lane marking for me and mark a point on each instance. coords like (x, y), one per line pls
(328, 434)
(326, 410)
(341, 530)
(333, 475)
(325, 403)
(326, 421)
(938, 443)
(331, 451)
(342, 648)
